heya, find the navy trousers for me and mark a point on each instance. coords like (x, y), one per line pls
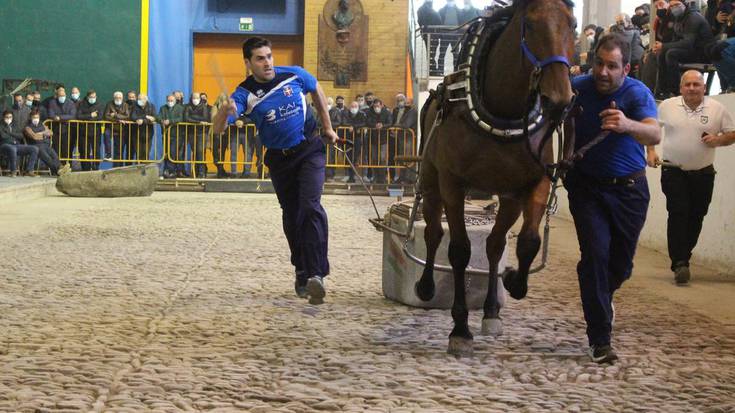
(298, 180)
(608, 219)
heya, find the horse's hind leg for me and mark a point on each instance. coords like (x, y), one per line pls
(508, 213)
(432, 211)
(460, 339)
(529, 241)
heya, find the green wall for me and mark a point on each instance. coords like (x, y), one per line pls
(85, 43)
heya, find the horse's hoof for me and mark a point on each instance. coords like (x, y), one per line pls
(424, 292)
(460, 346)
(514, 284)
(492, 327)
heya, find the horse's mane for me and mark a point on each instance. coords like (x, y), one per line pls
(524, 3)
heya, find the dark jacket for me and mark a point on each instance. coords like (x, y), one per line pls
(174, 114)
(427, 16)
(10, 135)
(141, 113)
(691, 32)
(121, 112)
(356, 121)
(664, 28)
(383, 117)
(336, 117)
(85, 110)
(633, 37)
(196, 114)
(716, 6)
(65, 111)
(20, 115)
(468, 13)
(409, 120)
(446, 10)
(31, 130)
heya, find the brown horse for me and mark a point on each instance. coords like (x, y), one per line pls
(527, 63)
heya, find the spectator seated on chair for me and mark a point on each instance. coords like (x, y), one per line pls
(38, 135)
(13, 148)
(721, 16)
(692, 35)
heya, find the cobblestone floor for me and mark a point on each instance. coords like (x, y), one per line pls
(184, 302)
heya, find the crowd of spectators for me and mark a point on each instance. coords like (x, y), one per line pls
(673, 34)
(127, 136)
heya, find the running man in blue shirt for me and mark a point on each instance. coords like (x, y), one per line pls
(274, 98)
(608, 191)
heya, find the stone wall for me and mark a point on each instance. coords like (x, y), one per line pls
(387, 48)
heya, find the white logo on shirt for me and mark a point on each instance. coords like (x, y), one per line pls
(704, 119)
(259, 93)
(271, 115)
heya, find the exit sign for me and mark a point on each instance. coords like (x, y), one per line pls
(246, 24)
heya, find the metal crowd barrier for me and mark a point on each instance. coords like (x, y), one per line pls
(194, 144)
(92, 142)
(374, 149)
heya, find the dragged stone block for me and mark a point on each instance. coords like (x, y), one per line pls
(128, 181)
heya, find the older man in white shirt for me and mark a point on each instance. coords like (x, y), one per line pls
(694, 125)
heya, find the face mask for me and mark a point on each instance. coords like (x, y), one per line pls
(170, 104)
(62, 99)
(591, 38)
(18, 105)
(141, 103)
(677, 11)
(377, 110)
(118, 102)
(75, 96)
(8, 121)
(204, 100)
(92, 100)
(180, 100)
(329, 107)
(29, 103)
(354, 111)
(35, 121)
(401, 104)
(195, 102)
(369, 102)
(661, 13)
(340, 105)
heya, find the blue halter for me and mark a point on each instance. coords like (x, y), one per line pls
(538, 64)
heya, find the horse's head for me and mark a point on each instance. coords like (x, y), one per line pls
(548, 32)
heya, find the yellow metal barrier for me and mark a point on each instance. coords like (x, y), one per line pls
(196, 145)
(124, 142)
(374, 149)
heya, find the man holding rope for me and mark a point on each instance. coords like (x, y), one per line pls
(274, 98)
(608, 191)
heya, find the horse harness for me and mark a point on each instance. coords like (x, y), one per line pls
(463, 88)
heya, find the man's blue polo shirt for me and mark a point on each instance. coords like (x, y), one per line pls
(619, 154)
(279, 107)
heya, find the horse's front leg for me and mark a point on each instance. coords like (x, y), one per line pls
(460, 339)
(432, 211)
(508, 213)
(529, 241)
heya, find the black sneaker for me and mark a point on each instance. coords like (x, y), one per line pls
(300, 285)
(602, 354)
(682, 275)
(315, 289)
